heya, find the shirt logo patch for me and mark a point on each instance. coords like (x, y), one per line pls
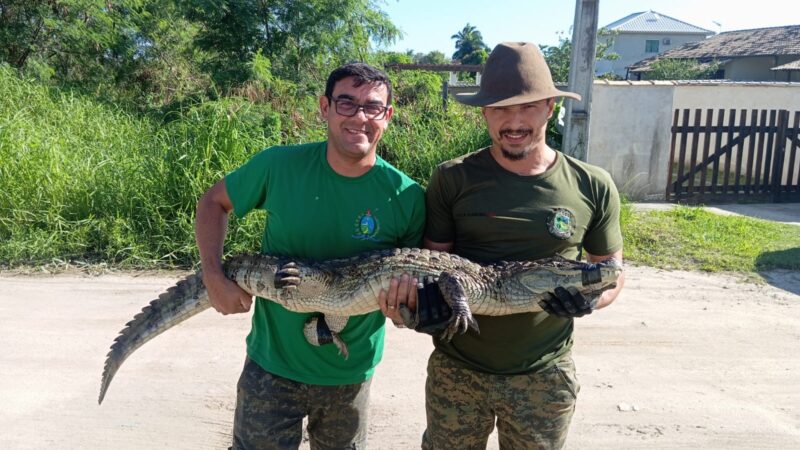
(366, 226)
(561, 223)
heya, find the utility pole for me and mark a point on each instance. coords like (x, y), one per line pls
(581, 77)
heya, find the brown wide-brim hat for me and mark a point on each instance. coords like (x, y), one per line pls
(515, 73)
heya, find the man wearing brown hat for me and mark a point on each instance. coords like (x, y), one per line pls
(515, 200)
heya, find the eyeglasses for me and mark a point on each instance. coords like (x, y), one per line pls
(349, 108)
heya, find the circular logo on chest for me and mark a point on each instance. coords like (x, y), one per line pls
(366, 226)
(561, 223)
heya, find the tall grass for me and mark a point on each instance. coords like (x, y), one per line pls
(84, 181)
(422, 136)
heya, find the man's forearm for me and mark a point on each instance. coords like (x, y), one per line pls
(610, 295)
(211, 227)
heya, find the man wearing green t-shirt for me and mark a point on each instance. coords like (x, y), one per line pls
(323, 200)
(515, 200)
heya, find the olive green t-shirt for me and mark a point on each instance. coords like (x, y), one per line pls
(491, 214)
(313, 212)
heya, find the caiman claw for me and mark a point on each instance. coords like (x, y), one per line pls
(462, 320)
(455, 296)
(287, 277)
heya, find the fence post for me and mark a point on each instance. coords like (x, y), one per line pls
(581, 77)
(674, 130)
(778, 155)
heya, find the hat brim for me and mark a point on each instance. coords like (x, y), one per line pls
(482, 99)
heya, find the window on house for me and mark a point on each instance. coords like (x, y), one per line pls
(651, 46)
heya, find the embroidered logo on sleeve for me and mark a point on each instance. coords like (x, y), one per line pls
(366, 226)
(561, 223)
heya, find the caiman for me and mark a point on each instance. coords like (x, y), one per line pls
(349, 286)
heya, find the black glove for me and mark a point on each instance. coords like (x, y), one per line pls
(568, 302)
(433, 313)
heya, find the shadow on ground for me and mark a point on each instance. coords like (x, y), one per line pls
(786, 279)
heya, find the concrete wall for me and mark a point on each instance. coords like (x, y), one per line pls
(630, 123)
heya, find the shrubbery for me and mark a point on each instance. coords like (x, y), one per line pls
(86, 181)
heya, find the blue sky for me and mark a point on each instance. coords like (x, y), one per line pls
(428, 24)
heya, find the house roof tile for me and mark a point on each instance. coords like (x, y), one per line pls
(774, 41)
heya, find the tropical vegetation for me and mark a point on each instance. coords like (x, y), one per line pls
(116, 115)
(470, 48)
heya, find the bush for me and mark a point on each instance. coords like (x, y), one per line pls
(86, 181)
(90, 182)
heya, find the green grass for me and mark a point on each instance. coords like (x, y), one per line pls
(84, 181)
(87, 183)
(420, 138)
(692, 238)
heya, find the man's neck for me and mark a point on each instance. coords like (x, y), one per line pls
(536, 162)
(349, 167)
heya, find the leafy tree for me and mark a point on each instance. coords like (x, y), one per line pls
(388, 57)
(165, 51)
(432, 57)
(681, 69)
(122, 49)
(559, 57)
(77, 40)
(169, 69)
(470, 48)
(302, 38)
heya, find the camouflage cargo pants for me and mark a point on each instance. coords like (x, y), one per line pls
(270, 411)
(532, 411)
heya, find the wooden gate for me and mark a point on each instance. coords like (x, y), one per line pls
(751, 156)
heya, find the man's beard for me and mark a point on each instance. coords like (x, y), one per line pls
(515, 156)
(511, 156)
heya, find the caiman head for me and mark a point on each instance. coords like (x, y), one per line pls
(530, 279)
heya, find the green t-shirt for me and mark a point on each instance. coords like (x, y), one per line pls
(313, 212)
(491, 214)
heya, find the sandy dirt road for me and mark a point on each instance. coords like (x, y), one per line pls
(681, 360)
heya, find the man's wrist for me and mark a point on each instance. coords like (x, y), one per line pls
(214, 276)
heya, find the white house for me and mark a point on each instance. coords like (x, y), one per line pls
(643, 35)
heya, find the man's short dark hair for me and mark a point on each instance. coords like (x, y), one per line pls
(363, 73)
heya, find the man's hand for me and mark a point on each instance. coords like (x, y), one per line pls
(226, 296)
(402, 293)
(568, 302)
(433, 313)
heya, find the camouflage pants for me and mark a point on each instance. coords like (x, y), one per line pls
(270, 411)
(532, 411)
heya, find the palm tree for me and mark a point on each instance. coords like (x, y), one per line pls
(470, 48)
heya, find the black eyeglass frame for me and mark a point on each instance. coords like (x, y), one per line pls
(377, 116)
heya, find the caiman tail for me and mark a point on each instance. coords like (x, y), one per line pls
(179, 303)
(157, 317)
(182, 301)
